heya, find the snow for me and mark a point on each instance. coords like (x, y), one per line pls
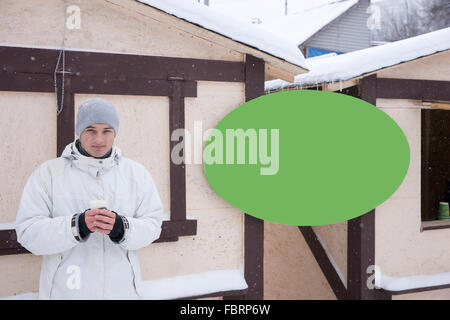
(302, 25)
(333, 262)
(24, 296)
(68, 49)
(235, 29)
(265, 10)
(385, 282)
(193, 284)
(7, 226)
(190, 285)
(353, 64)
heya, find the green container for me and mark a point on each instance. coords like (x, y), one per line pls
(444, 212)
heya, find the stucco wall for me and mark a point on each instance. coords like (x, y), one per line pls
(434, 67)
(28, 133)
(334, 240)
(290, 270)
(401, 249)
(104, 26)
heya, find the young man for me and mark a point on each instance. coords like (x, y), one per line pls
(90, 253)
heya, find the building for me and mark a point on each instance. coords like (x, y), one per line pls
(400, 246)
(161, 63)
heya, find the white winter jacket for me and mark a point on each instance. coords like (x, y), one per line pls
(95, 267)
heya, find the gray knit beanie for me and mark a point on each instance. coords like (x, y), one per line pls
(96, 110)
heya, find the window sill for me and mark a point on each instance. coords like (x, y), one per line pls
(434, 225)
(172, 229)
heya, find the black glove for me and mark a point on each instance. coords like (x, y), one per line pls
(117, 231)
(84, 230)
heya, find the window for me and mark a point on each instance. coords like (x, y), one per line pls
(435, 152)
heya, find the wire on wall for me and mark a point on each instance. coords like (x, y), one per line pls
(62, 52)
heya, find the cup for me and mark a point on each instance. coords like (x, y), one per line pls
(98, 204)
(444, 212)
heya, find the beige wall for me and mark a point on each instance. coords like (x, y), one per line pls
(104, 26)
(433, 67)
(334, 240)
(28, 131)
(25, 117)
(290, 270)
(401, 249)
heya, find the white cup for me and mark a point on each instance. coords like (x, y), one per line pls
(98, 204)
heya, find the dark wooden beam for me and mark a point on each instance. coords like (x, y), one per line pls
(117, 65)
(427, 90)
(231, 293)
(254, 227)
(65, 124)
(177, 170)
(361, 230)
(324, 262)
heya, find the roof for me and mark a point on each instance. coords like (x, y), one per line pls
(302, 25)
(357, 63)
(236, 30)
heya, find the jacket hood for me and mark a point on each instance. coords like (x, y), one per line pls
(93, 166)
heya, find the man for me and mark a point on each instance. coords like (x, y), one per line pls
(90, 253)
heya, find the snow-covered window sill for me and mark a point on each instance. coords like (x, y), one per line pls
(434, 225)
(217, 283)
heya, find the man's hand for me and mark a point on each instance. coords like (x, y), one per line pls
(100, 220)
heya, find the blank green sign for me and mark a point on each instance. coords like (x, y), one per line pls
(306, 157)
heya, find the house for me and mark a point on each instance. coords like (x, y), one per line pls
(164, 65)
(334, 26)
(399, 249)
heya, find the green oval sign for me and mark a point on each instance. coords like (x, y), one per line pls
(306, 157)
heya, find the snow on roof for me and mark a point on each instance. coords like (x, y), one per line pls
(302, 25)
(353, 64)
(245, 33)
(264, 10)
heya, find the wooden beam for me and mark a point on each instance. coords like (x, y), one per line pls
(324, 262)
(412, 89)
(361, 230)
(117, 66)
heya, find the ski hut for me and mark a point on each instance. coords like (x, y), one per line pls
(165, 65)
(399, 249)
